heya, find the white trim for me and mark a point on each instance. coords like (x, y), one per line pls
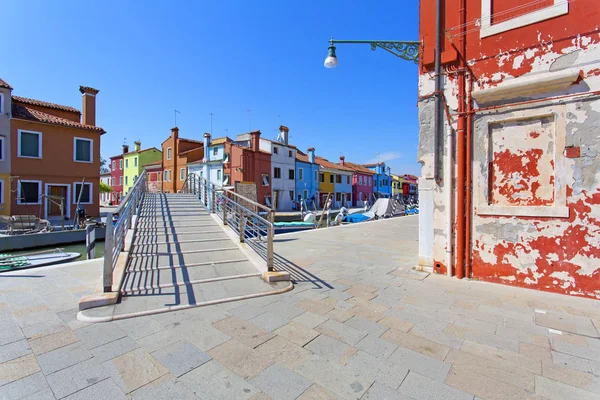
(135, 161)
(121, 180)
(19, 202)
(169, 153)
(560, 7)
(300, 172)
(2, 191)
(181, 174)
(88, 94)
(121, 164)
(19, 132)
(2, 139)
(75, 192)
(67, 197)
(75, 139)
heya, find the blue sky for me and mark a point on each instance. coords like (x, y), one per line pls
(149, 58)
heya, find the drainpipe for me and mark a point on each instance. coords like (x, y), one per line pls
(461, 148)
(437, 120)
(469, 189)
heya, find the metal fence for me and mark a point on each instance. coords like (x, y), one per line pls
(117, 227)
(252, 222)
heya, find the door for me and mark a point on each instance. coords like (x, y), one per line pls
(52, 206)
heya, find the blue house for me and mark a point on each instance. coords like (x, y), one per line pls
(382, 180)
(307, 177)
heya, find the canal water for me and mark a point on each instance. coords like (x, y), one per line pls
(73, 247)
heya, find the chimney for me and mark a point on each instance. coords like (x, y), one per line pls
(88, 105)
(175, 133)
(255, 141)
(206, 144)
(311, 155)
(342, 158)
(285, 131)
(137, 145)
(125, 149)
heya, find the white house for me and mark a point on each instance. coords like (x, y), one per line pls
(105, 197)
(283, 169)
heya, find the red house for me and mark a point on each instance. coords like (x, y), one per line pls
(362, 183)
(155, 173)
(116, 176)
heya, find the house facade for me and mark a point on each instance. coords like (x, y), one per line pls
(105, 197)
(176, 154)
(215, 165)
(5, 155)
(55, 150)
(155, 171)
(307, 178)
(337, 180)
(116, 176)
(362, 184)
(382, 180)
(134, 161)
(518, 202)
(283, 170)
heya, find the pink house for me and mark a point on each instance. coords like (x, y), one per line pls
(362, 183)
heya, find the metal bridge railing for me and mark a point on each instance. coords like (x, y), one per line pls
(240, 214)
(117, 227)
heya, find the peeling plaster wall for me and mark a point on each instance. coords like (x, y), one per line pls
(536, 211)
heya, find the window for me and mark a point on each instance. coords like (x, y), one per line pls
(299, 197)
(181, 174)
(277, 173)
(360, 179)
(322, 178)
(1, 148)
(226, 157)
(338, 197)
(29, 192)
(225, 179)
(83, 150)
(275, 150)
(347, 179)
(30, 144)
(291, 174)
(169, 150)
(265, 179)
(127, 163)
(121, 164)
(126, 180)
(215, 151)
(338, 179)
(1, 191)
(168, 175)
(290, 153)
(86, 194)
(135, 178)
(158, 176)
(114, 165)
(370, 181)
(135, 161)
(316, 176)
(331, 178)
(112, 181)
(120, 181)
(300, 174)
(1, 103)
(305, 195)
(218, 175)
(291, 195)
(268, 202)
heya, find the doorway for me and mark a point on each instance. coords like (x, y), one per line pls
(60, 190)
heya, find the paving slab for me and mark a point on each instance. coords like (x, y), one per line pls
(316, 392)
(420, 387)
(215, 382)
(280, 383)
(571, 377)
(106, 389)
(376, 347)
(283, 351)
(77, 377)
(330, 348)
(63, 357)
(382, 392)
(382, 371)
(296, 333)
(166, 387)
(241, 359)
(24, 387)
(14, 350)
(417, 343)
(244, 331)
(134, 369)
(553, 390)
(420, 363)
(181, 357)
(310, 319)
(342, 332)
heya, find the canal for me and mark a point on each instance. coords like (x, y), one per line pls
(72, 247)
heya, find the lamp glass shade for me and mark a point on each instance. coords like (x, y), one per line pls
(331, 61)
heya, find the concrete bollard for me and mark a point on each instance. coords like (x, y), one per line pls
(90, 241)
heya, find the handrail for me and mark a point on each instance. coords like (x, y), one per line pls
(248, 224)
(116, 231)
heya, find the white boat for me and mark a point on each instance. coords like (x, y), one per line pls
(35, 259)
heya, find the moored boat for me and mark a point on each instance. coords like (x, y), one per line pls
(36, 259)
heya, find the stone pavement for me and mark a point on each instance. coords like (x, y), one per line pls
(360, 323)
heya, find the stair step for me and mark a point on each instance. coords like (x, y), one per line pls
(184, 259)
(175, 248)
(181, 237)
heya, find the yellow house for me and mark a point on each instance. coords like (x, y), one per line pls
(397, 182)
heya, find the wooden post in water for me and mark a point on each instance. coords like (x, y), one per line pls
(90, 241)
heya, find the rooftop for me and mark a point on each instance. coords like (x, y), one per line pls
(328, 164)
(3, 84)
(20, 111)
(153, 163)
(40, 103)
(142, 151)
(359, 168)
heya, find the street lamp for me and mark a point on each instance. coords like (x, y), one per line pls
(406, 50)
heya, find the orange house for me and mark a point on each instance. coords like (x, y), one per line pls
(177, 152)
(55, 150)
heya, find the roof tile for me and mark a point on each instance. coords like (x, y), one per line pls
(40, 103)
(328, 164)
(4, 84)
(21, 112)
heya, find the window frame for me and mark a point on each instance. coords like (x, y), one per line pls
(291, 174)
(316, 176)
(182, 174)
(127, 163)
(126, 180)
(1, 103)
(19, 195)
(322, 177)
(275, 150)
(91, 141)
(121, 164)
(113, 180)
(347, 179)
(1, 191)
(40, 140)
(275, 174)
(263, 179)
(219, 175)
(226, 177)
(135, 161)
(215, 151)
(2, 143)
(290, 153)
(75, 192)
(121, 180)
(300, 174)
(169, 153)
(332, 178)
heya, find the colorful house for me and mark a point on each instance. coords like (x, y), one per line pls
(337, 180)
(362, 184)
(105, 197)
(217, 155)
(307, 178)
(133, 164)
(382, 180)
(176, 154)
(397, 185)
(154, 171)
(5, 184)
(55, 150)
(116, 177)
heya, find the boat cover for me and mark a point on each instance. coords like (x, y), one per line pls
(385, 208)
